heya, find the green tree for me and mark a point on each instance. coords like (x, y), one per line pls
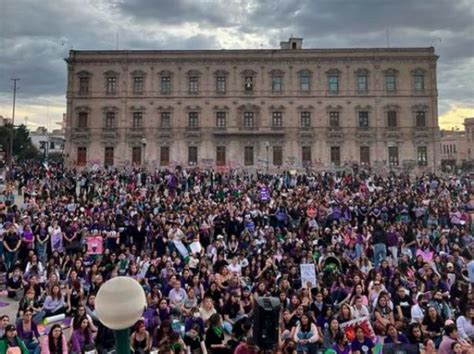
(23, 148)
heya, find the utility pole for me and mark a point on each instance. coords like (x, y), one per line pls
(10, 161)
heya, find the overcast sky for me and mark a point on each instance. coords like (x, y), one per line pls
(35, 36)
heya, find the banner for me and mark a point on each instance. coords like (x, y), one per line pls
(181, 248)
(94, 244)
(57, 242)
(427, 256)
(308, 275)
(364, 323)
(264, 194)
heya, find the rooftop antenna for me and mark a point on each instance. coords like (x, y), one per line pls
(116, 41)
(388, 38)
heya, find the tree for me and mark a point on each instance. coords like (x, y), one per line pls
(23, 148)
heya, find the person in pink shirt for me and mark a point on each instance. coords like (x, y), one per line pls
(55, 342)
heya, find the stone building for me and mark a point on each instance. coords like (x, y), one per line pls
(288, 107)
(453, 149)
(469, 129)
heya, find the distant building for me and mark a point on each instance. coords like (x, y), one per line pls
(469, 129)
(453, 149)
(48, 142)
(289, 107)
(4, 121)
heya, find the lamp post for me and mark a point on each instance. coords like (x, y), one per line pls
(144, 141)
(267, 146)
(119, 305)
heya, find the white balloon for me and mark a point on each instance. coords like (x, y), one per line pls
(120, 303)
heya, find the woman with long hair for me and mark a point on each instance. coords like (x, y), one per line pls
(81, 337)
(28, 331)
(383, 315)
(140, 339)
(54, 303)
(306, 335)
(433, 325)
(215, 336)
(55, 342)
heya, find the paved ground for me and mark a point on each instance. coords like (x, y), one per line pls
(9, 310)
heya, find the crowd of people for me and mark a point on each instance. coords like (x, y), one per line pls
(392, 252)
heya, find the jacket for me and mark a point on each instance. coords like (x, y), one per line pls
(21, 344)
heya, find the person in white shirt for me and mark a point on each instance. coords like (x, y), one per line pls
(234, 266)
(417, 311)
(359, 309)
(465, 325)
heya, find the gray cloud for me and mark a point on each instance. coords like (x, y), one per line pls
(35, 36)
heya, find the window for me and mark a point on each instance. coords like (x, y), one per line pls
(364, 120)
(111, 88)
(192, 155)
(164, 155)
(43, 145)
(392, 119)
(138, 84)
(336, 155)
(420, 118)
(165, 84)
(249, 121)
(81, 156)
(393, 155)
(277, 156)
(248, 83)
(454, 147)
(362, 83)
(422, 155)
(193, 120)
(277, 83)
(193, 84)
(306, 157)
(52, 145)
(220, 155)
(277, 119)
(83, 120)
(390, 83)
(110, 120)
(419, 82)
(333, 83)
(220, 120)
(365, 155)
(166, 119)
(220, 84)
(248, 156)
(83, 85)
(305, 83)
(136, 155)
(334, 119)
(109, 156)
(137, 120)
(305, 119)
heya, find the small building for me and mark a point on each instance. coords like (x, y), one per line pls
(48, 142)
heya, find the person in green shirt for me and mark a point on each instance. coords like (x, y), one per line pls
(11, 343)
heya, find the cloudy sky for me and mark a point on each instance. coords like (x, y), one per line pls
(35, 36)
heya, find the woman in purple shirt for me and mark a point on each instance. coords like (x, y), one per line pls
(82, 337)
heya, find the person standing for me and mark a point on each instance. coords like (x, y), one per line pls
(11, 244)
(379, 241)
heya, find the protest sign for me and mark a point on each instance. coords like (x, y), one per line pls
(264, 194)
(308, 275)
(94, 244)
(364, 323)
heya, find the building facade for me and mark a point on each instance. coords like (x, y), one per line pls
(288, 107)
(469, 129)
(453, 149)
(48, 142)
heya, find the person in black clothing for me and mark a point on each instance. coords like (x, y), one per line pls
(402, 303)
(105, 339)
(215, 336)
(379, 240)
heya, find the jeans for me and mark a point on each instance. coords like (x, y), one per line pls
(41, 249)
(394, 251)
(380, 253)
(10, 258)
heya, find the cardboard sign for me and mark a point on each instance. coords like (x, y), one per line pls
(94, 244)
(57, 242)
(308, 275)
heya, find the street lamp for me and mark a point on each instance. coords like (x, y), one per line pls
(120, 303)
(267, 146)
(144, 141)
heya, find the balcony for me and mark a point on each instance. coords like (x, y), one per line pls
(334, 133)
(250, 131)
(109, 134)
(80, 135)
(135, 133)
